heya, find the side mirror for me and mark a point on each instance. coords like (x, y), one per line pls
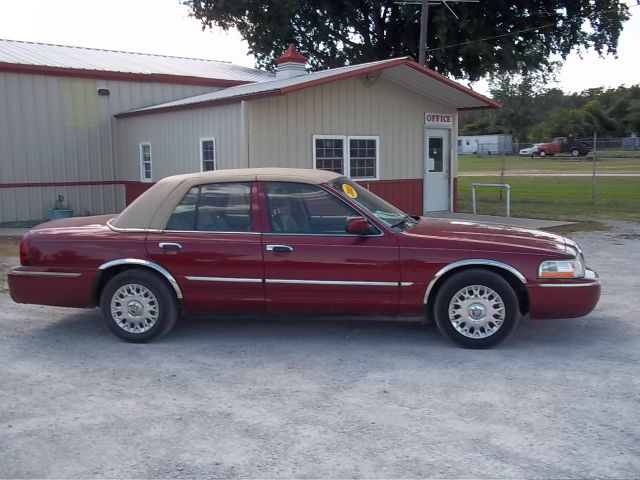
(358, 226)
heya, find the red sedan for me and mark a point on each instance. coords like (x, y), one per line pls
(297, 241)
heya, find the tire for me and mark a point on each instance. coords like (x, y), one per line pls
(542, 153)
(575, 152)
(491, 311)
(151, 311)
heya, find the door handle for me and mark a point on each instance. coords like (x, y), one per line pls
(170, 246)
(279, 248)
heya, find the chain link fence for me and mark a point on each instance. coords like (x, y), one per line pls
(622, 144)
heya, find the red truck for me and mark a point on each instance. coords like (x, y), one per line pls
(568, 145)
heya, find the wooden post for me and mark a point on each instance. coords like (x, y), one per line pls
(424, 22)
(593, 174)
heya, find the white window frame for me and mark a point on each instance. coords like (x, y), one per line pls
(364, 137)
(142, 162)
(215, 153)
(330, 137)
(346, 159)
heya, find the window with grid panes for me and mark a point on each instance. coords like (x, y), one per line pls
(362, 157)
(208, 152)
(145, 162)
(330, 154)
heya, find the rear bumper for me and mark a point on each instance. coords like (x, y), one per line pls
(60, 288)
(575, 298)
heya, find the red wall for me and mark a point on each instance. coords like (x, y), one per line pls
(133, 190)
(405, 194)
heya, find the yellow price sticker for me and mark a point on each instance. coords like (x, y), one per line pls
(349, 190)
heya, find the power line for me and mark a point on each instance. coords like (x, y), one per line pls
(547, 25)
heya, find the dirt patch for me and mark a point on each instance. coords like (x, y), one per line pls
(5, 264)
(9, 247)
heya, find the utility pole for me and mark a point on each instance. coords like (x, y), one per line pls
(424, 25)
(424, 20)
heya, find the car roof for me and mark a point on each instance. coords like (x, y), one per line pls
(152, 209)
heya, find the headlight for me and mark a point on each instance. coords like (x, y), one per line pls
(573, 268)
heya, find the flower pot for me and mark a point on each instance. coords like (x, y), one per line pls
(56, 213)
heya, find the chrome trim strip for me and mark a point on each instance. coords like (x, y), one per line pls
(280, 234)
(133, 230)
(331, 282)
(210, 232)
(145, 263)
(224, 279)
(406, 284)
(32, 273)
(563, 285)
(471, 262)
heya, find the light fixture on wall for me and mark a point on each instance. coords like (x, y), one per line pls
(372, 78)
(104, 92)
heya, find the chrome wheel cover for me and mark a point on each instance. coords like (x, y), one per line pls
(134, 308)
(476, 311)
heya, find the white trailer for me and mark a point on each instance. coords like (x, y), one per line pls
(497, 144)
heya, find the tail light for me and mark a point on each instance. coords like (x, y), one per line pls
(25, 257)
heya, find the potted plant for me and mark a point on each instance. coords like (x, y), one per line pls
(60, 210)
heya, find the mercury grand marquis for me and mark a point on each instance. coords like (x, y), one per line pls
(295, 241)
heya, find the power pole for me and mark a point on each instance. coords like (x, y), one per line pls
(424, 25)
(424, 20)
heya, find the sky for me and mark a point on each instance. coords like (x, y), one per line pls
(164, 27)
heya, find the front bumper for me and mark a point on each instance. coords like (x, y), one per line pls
(565, 299)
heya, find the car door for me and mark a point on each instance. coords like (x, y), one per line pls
(313, 266)
(212, 248)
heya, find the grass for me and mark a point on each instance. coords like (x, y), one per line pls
(9, 247)
(561, 198)
(493, 164)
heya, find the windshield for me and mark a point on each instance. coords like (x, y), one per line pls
(382, 210)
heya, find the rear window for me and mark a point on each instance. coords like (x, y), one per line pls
(214, 207)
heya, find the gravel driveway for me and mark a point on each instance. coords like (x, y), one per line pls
(298, 398)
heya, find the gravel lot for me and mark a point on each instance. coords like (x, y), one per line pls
(249, 398)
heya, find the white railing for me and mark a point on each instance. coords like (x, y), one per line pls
(506, 186)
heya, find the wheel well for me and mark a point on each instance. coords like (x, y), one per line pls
(518, 287)
(108, 274)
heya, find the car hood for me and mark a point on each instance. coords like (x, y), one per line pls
(485, 236)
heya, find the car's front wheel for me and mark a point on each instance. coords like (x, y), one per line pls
(575, 152)
(138, 306)
(476, 308)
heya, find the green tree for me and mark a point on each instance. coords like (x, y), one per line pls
(495, 37)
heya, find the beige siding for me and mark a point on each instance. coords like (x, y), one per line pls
(58, 129)
(175, 140)
(33, 203)
(281, 128)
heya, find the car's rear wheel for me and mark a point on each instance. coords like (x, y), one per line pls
(542, 153)
(476, 308)
(575, 152)
(138, 306)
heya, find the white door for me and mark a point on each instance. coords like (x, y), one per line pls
(437, 148)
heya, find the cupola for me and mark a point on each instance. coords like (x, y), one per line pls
(291, 63)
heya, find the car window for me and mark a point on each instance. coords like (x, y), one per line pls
(214, 207)
(303, 208)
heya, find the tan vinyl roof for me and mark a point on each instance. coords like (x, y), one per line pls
(152, 209)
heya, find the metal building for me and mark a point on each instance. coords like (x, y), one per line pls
(390, 124)
(57, 107)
